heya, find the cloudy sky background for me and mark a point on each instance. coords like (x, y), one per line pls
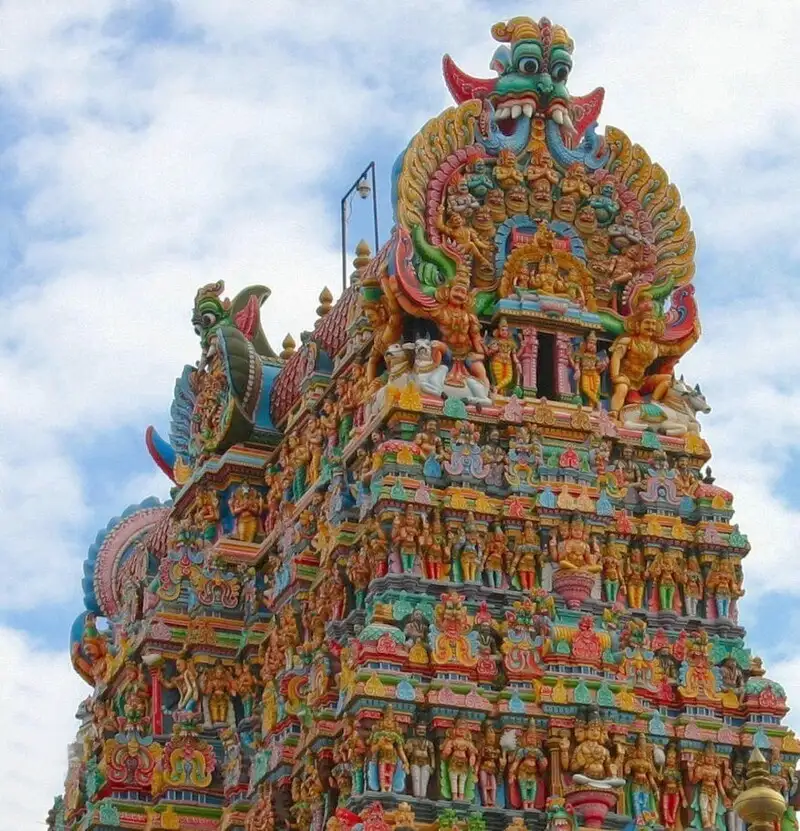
(149, 147)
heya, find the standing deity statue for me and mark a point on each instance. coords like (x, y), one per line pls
(588, 366)
(723, 585)
(406, 533)
(421, 756)
(527, 557)
(245, 505)
(435, 546)
(612, 560)
(503, 362)
(459, 757)
(635, 577)
(496, 558)
(527, 768)
(665, 573)
(469, 550)
(673, 795)
(642, 780)
(245, 685)
(388, 761)
(218, 685)
(206, 513)
(709, 800)
(491, 765)
(692, 586)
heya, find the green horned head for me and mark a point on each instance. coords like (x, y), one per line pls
(537, 60)
(210, 311)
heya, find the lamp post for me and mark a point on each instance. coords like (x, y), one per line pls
(364, 186)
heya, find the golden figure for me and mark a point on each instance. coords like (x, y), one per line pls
(575, 182)
(506, 172)
(218, 685)
(572, 551)
(692, 585)
(496, 202)
(632, 355)
(700, 681)
(546, 278)
(245, 505)
(464, 237)
(588, 366)
(635, 578)
(428, 441)
(591, 758)
(470, 549)
(269, 706)
(484, 225)
(541, 200)
(686, 480)
(503, 363)
(527, 557)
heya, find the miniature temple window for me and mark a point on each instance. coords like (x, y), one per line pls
(546, 366)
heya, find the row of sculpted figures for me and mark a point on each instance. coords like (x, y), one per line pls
(519, 765)
(668, 575)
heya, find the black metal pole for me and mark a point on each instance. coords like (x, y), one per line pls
(374, 206)
(344, 241)
(369, 169)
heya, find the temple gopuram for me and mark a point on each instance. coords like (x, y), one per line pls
(457, 561)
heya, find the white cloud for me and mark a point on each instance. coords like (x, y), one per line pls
(39, 693)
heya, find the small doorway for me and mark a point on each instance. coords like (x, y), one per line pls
(546, 366)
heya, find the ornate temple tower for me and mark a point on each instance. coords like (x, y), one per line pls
(452, 563)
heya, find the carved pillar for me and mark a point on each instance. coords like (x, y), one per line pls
(527, 354)
(554, 750)
(155, 702)
(564, 389)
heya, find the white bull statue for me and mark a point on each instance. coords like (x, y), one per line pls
(431, 375)
(421, 363)
(674, 415)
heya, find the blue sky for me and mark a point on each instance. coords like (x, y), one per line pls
(149, 148)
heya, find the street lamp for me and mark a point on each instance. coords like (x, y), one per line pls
(364, 186)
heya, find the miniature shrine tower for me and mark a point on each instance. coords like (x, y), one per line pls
(454, 562)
